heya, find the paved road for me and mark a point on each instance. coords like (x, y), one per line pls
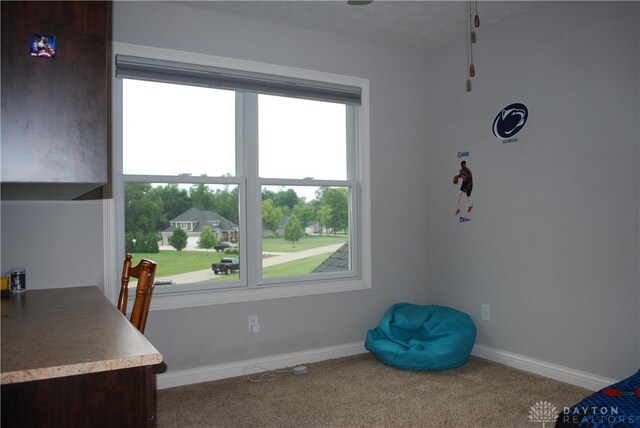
(203, 275)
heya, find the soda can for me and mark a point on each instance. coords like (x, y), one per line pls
(18, 280)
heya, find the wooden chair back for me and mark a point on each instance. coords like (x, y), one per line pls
(145, 272)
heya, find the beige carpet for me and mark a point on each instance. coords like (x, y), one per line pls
(360, 391)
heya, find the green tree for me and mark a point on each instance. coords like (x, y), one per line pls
(337, 198)
(293, 230)
(225, 203)
(152, 243)
(207, 239)
(304, 212)
(201, 197)
(178, 239)
(175, 201)
(286, 198)
(271, 216)
(144, 242)
(143, 208)
(268, 194)
(320, 191)
(221, 201)
(324, 215)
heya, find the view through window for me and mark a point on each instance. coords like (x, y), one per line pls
(202, 173)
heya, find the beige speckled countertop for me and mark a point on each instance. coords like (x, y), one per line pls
(65, 332)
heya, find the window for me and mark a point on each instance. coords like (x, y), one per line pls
(269, 169)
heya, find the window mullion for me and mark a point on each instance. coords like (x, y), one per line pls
(253, 245)
(241, 172)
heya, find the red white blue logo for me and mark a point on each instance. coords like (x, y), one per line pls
(510, 121)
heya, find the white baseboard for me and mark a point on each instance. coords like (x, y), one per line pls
(236, 368)
(553, 371)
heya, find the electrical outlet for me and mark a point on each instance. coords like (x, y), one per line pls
(485, 313)
(254, 325)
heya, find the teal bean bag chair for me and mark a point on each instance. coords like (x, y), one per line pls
(422, 337)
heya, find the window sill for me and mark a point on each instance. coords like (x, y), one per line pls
(186, 299)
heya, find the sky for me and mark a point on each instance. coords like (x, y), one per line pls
(183, 129)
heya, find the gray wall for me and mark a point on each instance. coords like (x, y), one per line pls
(210, 335)
(553, 242)
(60, 244)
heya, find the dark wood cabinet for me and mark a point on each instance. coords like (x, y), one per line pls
(55, 126)
(116, 398)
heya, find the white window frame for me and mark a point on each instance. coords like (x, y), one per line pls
(360, 220)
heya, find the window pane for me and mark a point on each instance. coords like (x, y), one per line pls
(302, 138)
(191, 231)
(176, 129)
(305, 230)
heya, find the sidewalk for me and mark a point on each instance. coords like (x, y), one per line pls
(204, 275)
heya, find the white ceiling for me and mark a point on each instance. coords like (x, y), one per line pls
(419, 25)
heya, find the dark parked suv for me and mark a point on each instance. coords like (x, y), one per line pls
(224, 245)
(227, 265)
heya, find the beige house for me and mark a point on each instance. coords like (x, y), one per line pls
(193, 220)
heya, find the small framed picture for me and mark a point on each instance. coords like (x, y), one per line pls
(43, 46)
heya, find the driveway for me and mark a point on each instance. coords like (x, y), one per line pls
(204, 275)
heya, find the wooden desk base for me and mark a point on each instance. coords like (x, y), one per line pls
(117, 398)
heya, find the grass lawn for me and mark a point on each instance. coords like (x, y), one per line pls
(279, 245)
(176, 262)
(296, 267)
